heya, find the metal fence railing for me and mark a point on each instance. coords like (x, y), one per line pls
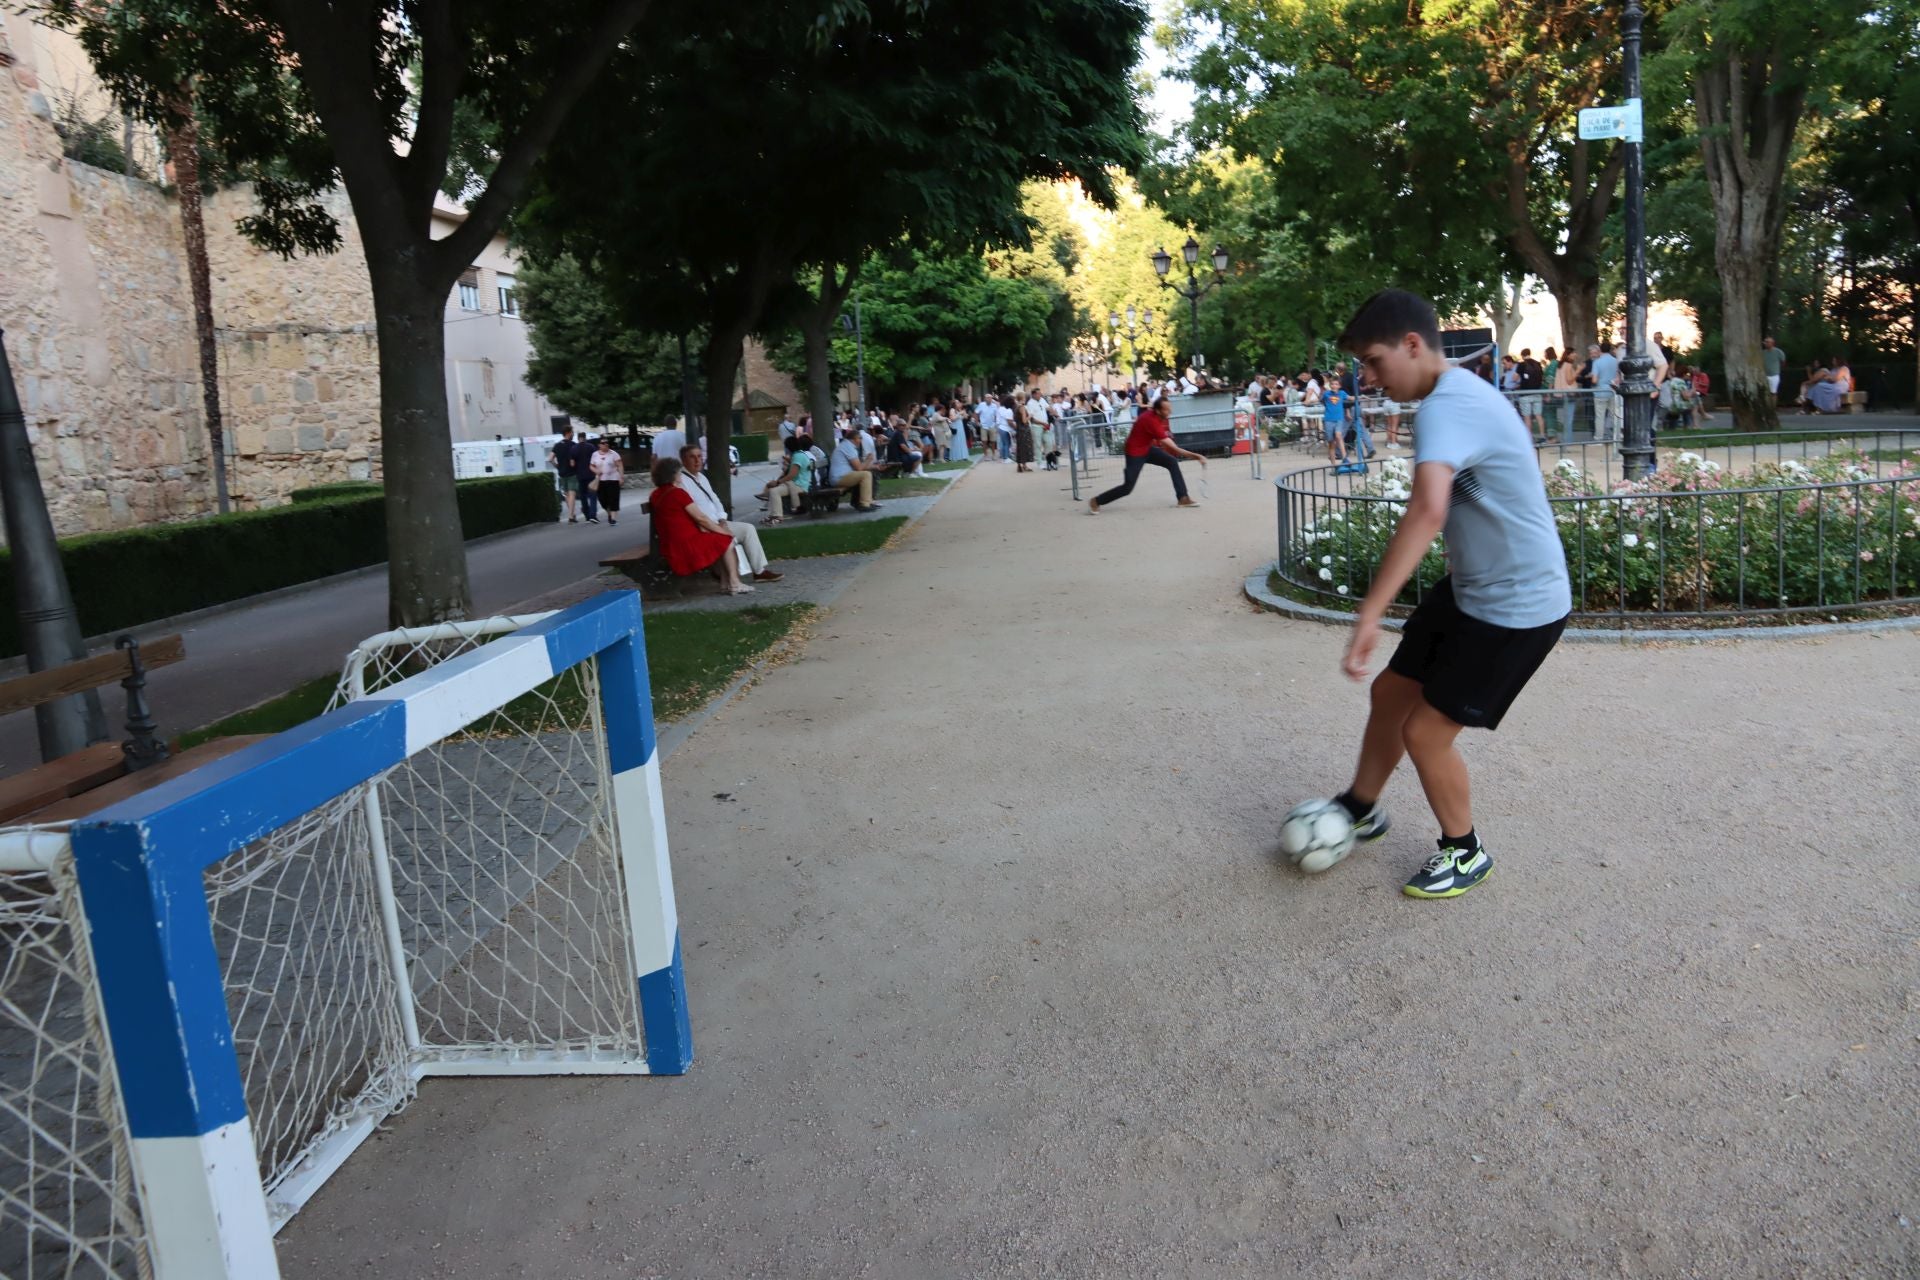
(1730, 527)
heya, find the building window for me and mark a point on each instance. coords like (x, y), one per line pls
(470, 290)
(509, 301)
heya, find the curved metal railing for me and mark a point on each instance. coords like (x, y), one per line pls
(1732, 527)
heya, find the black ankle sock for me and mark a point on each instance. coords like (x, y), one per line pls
(1466, 843)
(1356, 809)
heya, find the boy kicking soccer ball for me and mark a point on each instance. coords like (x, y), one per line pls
(1483, 630)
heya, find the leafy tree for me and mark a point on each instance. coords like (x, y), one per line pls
(1431, 143)
(1873, 153)
(746, 154)
(587, 357)
(299, 95)
(1753, 70)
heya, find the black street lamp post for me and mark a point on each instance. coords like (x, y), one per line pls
(1193, 290)
(1133, 353)
(1636, 437)
(49, 627)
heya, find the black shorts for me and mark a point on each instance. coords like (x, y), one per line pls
(1469, 671)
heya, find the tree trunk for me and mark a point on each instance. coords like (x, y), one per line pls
(1579, 302)
(720, 365)
(816, 331)
(1506, 316)
(1742, 294)
(427, 551)
(183, 152)
(1746, 136)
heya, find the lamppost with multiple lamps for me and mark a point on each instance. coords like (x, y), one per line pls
(1133, 353)
(1193, 290)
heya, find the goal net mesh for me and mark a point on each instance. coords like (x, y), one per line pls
(67, 1204)
(508, 904)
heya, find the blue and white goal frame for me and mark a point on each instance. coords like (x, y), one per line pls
(141, 866)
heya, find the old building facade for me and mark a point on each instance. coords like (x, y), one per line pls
(95, 305)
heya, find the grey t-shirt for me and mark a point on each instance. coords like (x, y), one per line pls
(1503, 552)
(1773, 360)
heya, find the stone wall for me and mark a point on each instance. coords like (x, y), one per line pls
(99, 330)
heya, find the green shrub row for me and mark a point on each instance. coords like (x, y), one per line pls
(131, 576)
(752, 448)
(328, 492)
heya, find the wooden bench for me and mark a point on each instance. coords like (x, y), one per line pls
(1855, 401)
(88, 780)
(647, 567)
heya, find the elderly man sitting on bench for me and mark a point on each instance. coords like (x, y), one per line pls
(693, 479)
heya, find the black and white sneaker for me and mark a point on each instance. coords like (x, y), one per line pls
(1450, 873)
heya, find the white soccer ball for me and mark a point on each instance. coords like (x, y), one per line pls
(1317, 834)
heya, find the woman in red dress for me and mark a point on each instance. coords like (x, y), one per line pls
(689, 538)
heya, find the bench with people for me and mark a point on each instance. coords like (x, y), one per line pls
(692, 532)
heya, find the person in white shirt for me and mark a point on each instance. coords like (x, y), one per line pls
(1040, 413)
(669, 443)
(1104, 404)
(786, 426)
(850, 474)
(693, 479)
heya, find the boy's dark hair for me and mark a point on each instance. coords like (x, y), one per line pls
(1389, 316)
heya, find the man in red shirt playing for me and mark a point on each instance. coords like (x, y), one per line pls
(1151, 441)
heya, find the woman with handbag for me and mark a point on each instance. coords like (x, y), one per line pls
(608, 474)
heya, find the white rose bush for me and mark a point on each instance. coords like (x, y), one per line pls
(1694, 536)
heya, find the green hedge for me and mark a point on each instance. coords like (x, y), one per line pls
(328, 492)
(131, 576)
(752, 448)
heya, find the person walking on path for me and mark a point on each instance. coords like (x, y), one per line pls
(1483, 630)
(567, 471)
(608, 473)
(693, 479)
(690, 539)
(1772, 360)
(583, 476)
(1022, 434)
(1151, 442)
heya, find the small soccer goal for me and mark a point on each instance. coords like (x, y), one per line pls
(213, 993)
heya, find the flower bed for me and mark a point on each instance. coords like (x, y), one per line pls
(1697, 537)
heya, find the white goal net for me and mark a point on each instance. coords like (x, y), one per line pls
(464, 910)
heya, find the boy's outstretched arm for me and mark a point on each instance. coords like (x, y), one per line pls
(1425, 516)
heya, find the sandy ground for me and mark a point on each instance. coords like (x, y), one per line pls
(994, 969)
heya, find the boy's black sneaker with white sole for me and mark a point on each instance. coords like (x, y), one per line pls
(1450, 873)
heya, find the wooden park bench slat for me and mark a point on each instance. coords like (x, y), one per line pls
(56, 780)
(70, 678)
(132, 784)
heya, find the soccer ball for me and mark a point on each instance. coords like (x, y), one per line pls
(1317, 834)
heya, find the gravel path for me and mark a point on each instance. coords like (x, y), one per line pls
(994, 970)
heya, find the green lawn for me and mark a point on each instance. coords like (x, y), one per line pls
(690, 657)
(295, 707)
(948, 466)
(833, 538)
(910, 488)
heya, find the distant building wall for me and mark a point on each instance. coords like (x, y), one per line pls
(99, 327)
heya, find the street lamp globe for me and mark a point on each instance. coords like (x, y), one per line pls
(1190, 251)
(1147, 317)
(1162, 261)
(1130, 316)
(1113, 319)
(1220, 259)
